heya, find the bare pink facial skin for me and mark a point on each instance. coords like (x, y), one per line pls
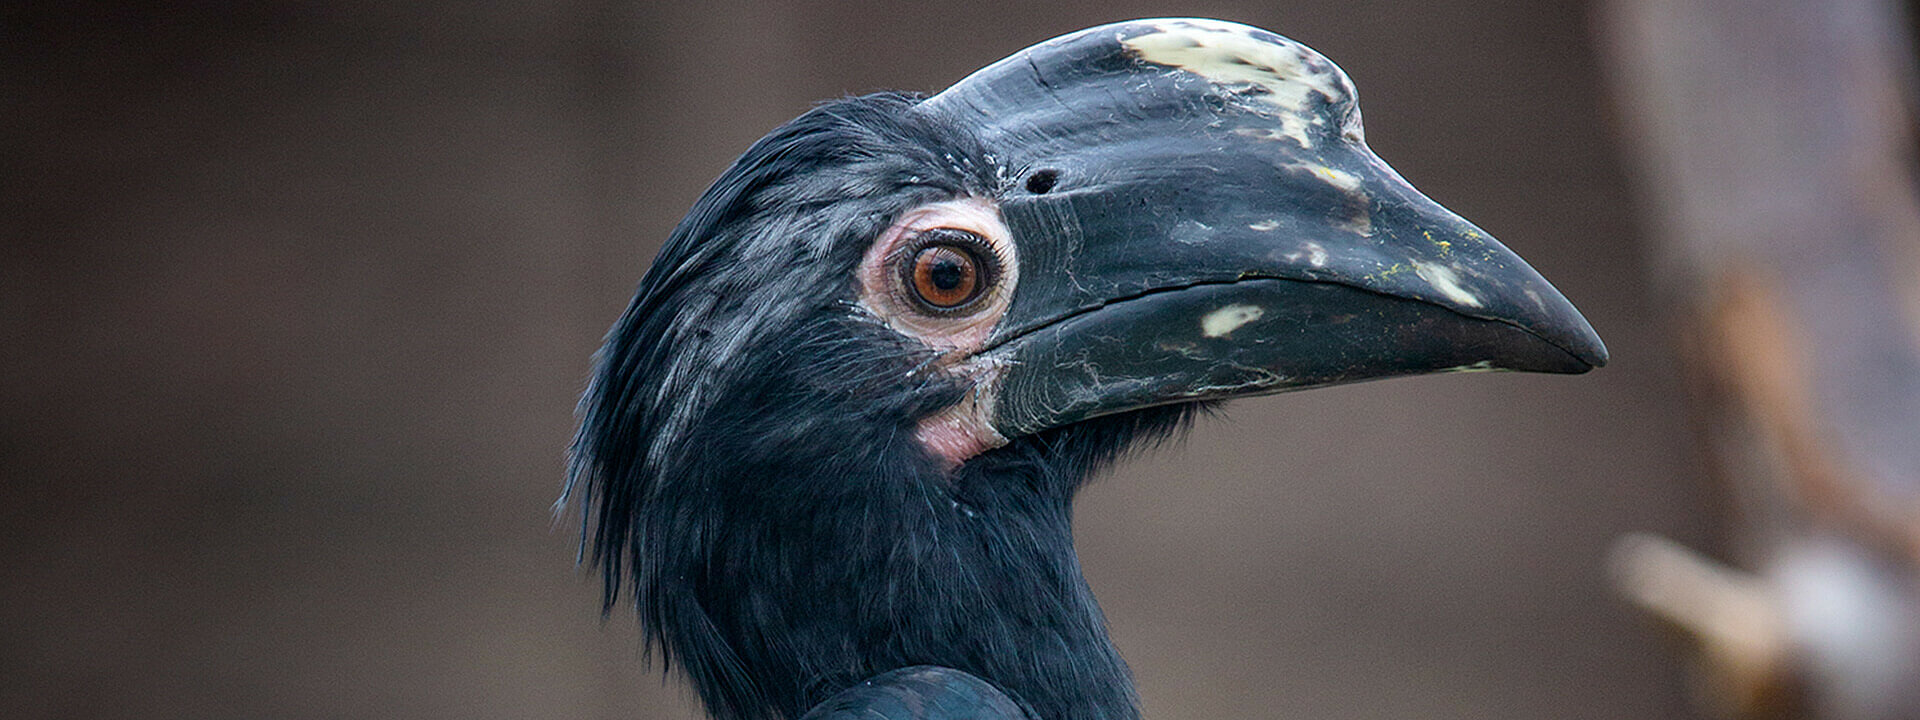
(965, 429)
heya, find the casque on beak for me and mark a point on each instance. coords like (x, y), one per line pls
(1199, 217)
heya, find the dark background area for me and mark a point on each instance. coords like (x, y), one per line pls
(295, 300)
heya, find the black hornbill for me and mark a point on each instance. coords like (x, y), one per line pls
(833, 444)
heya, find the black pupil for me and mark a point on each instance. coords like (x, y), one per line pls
(949, 270)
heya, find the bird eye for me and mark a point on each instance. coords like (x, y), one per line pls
(949, 270)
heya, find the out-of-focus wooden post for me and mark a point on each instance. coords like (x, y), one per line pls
(1776, 143)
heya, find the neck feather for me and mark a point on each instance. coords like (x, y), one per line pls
(775, 583)
(975, 572)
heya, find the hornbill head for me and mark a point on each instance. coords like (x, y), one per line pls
(839, 429)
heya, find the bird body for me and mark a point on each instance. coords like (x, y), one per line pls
(832, 446)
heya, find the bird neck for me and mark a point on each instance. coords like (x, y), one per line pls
(975, 572)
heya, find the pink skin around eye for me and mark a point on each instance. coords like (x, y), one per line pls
(966, 429)
(880, 295)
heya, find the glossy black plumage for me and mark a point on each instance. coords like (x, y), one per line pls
(892, 562)
(924, 691)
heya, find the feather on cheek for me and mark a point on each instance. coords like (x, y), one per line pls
(943, 275)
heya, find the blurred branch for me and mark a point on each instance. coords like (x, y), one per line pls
(1734, 616)
(1777, 140)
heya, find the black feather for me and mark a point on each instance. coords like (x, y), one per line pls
(746, 460)
(921, 693)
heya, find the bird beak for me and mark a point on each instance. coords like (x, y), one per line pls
(1197, 217)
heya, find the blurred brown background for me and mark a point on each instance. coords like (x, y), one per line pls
(295, 299)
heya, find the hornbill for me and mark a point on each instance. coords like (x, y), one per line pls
(832, 446)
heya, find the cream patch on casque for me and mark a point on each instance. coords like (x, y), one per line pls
(1482, 366)
(1447, 281)
(1346, 181)
(1191, 232)
(1224, 321)
(1224, 53)
(1360, 223)
(1316, 254)
(1260, 133)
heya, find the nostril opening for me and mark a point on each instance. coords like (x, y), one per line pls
(1042, 181)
